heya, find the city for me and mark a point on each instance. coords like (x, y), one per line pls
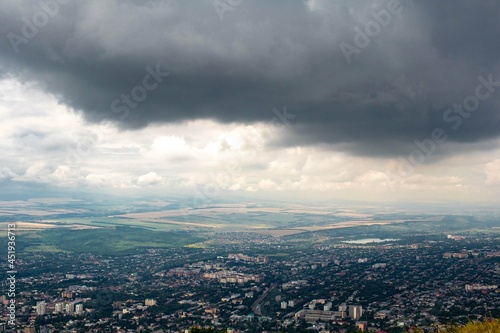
(278, 286)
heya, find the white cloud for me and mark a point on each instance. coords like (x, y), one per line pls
(492, 171)
(149, 179)
(37, 134)
(169, 147)
(6, 173)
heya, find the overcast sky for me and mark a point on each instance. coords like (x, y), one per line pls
(327, 99)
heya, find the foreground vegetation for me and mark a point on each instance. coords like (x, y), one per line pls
(488, 326)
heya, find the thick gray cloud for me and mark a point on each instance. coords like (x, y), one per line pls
(267, 54)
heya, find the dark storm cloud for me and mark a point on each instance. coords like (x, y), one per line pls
(267, 54)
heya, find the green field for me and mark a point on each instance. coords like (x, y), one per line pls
(107, 222)
(120, 240)
(116, 240)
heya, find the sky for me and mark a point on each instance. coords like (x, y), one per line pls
(304, 99)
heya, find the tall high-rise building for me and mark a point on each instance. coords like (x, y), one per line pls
(342, 307)
(327, 306)
(70, 308)
(362, 326)
(150, 302)
(59, 307)
(355, 311)
(67, 294)
(40, 308)
(79, 308)
(30, 329)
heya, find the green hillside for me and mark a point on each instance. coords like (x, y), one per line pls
(113, 241)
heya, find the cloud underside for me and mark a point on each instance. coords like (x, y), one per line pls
(209, 159)
(396, 88)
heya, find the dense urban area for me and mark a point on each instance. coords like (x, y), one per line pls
(260, 283)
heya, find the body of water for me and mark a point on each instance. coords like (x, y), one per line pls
(371, 240)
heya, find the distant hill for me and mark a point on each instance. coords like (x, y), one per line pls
(114, 241)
